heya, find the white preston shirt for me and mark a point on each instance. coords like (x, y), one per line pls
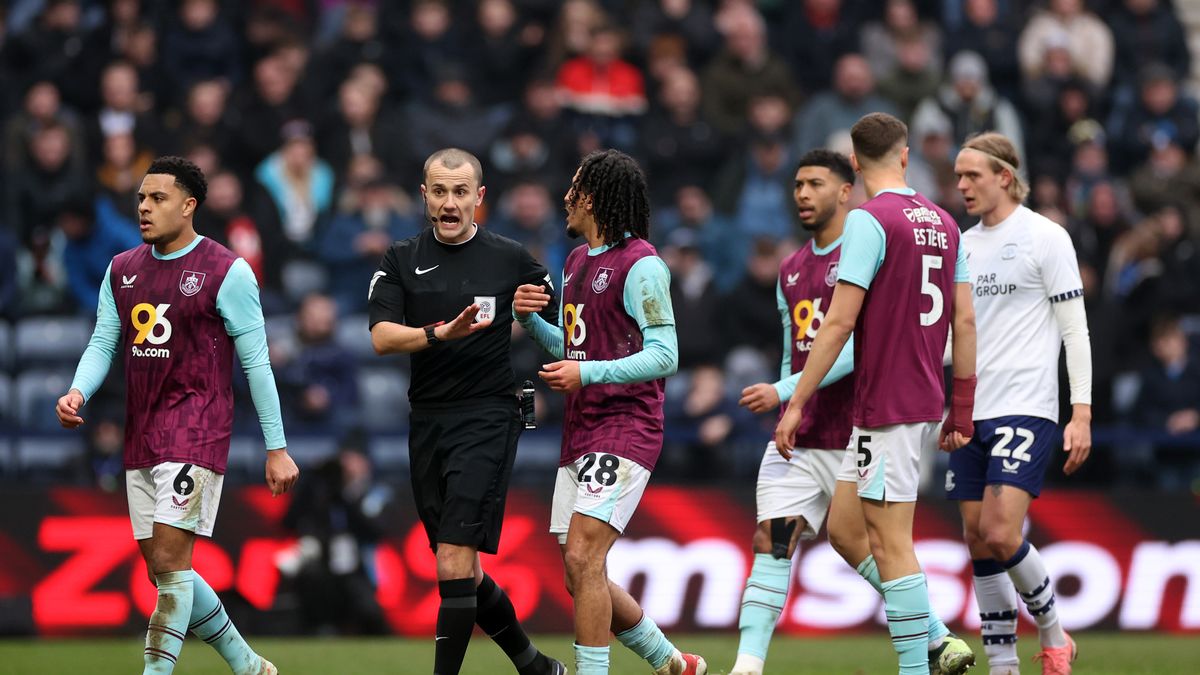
(1019, 268)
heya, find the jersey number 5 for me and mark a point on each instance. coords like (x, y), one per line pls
(931, 262)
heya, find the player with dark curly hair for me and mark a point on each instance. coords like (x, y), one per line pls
(178, 307)
(616, 338)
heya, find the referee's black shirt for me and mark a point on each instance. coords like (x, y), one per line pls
(452, 276)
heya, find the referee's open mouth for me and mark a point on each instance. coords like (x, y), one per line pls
(449, 220)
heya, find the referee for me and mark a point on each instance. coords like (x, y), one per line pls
(444, 296)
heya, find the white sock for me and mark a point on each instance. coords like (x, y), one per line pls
(747, 665)
(1029, 575)
(997, 598)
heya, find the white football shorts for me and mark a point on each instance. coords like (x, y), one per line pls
(181, 495)
(802, 486)
(598, 484)
(885, 462)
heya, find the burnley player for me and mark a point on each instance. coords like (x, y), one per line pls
(1029, 298)
(617, 341)
(177, 308)
(794, 495)
(901, 278)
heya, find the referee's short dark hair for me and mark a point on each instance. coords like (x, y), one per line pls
(188, 176)
(836, 162)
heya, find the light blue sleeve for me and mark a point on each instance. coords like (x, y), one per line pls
(785, 367)
(647, 293)
(647, 297)
(659, 357)
(98, 357)
(239, 307)
(961, 274)
(863, 249)
(546, 334)
(843, 366)
(237, 301)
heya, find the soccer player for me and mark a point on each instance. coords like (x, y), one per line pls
(1029, 299)
(794, 495)
(617, 344)
(901, 278)
(435, 296)
(177, 308)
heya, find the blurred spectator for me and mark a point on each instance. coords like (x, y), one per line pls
(124, 111)
(1162, 114)
(374, 213)
(249, 231)
(93, 237)
(695, 301)
(42, 108)
(536, 141)
(106, 446)
(52, 50)
(604, 92)
(36, 193)
(992, 35)
(320, 380)
(502, 53)
(751, 311)
(1181, 274)
(755, 187)
(970, 103)
(358, 42)
(931, 163)
(451, 119)
(881, 39)
(426, 46)
(41, 277)
(744, 68)
(338, 515)
(1068, 120)
(141, 49)
(299, 183)
(264, 109)
(571, 34)
(1089, 166)
(527, 213)
(1040, 91)
(690, 20)
(708, 409)
(1169, 396)
(1134, 283)
(1102, 222)
(813, 36)
(831, 112)
(1169, 177)
(360, 127)
(1087, 39)
(1146, 32)
(916, 75)
(8, 274)
(122, 166)
(200, 45)
(681, 146)
(206, 119)
(713, 234)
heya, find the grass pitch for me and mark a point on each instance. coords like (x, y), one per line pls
(1100, 653)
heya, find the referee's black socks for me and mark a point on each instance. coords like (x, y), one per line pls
(456, 620)
(498, 618)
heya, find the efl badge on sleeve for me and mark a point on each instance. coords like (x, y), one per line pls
(487, 307)
(191, 282)
(831, 274)
(603, 276)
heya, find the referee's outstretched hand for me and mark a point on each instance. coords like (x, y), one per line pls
(463, 325)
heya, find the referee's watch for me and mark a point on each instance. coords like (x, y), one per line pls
(430, 336)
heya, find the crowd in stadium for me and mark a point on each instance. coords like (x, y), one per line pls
(311, 121)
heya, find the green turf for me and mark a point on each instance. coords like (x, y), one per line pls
(1107, 653)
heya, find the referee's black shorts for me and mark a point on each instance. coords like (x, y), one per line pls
(461, 458)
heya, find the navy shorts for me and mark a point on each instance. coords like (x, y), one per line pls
(1013, 450)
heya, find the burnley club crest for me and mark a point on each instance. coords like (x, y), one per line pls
(603, 276)
(831, 274)
(191, 282)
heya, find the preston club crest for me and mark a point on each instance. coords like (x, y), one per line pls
(831, 274)
(191, 282)
(603, 275)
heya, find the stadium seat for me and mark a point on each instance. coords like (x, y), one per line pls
(353, 334)
(389, 453)
(310, 451)
(383, 396)
(8, 461)
(301, 277)
(37, 392)
(51, 340)
(50, 457)
(6, 346)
